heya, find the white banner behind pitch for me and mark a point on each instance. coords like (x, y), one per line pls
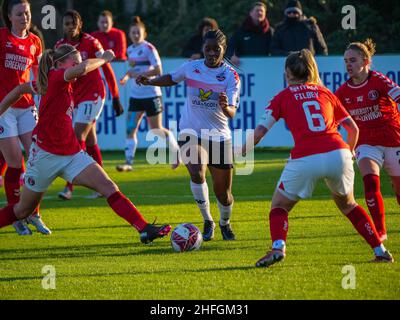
(262, 78)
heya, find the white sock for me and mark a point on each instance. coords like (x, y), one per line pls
(200, 194)
(130, 149)
(279, 245)
(225, 213)
(379, 251)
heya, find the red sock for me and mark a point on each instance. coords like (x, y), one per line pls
(278, 224)
(7, 216)
(398, 198)
(11, 184)
(364, 225)
(374, 200)
(3, 164)
(123, 207)
(95, 153)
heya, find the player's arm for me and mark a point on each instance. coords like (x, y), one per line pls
(88, 66)
(162, 81)
(352, 132)
(12, 97)
(157, 71)
(228, 110)
(265, 124)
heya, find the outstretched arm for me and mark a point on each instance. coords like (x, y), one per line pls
(13, 96)
(163, 81)
(259, 132)
(88, 66)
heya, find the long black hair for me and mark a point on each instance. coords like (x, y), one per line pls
(76, 18)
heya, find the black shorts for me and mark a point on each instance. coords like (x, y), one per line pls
(152, 106)
(219, 153)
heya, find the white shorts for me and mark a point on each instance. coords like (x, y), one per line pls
(15, 122)
(44, 167)
(300, 176)
(88, 111)
(386, 157)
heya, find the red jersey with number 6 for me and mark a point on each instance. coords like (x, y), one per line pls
(54, 132)
(312, 114)
(17, 56)
(373, 106)
(89, 87)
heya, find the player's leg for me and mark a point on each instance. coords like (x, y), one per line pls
(222, 184)
(94, 177)
(35, 218)
(396, 187)
(131, 142)
(3, 168)
(281, 205)
(27, 204)
(195, 159)
(363, 224)
(341, 183)
(370, 160)
(93, 150)
(154, 117)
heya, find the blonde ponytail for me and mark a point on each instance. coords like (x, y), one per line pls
(303, 66)
(367, 49)
(46, 63)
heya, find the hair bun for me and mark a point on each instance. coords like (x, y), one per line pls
(136, 19)
(371, 46)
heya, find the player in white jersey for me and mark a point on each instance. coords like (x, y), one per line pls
(213, 90)
(143, 60)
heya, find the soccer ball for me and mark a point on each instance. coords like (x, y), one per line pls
(186, 237)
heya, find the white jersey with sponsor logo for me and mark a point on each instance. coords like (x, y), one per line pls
(202, 110)
(142, 58)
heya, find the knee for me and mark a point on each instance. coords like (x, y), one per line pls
(197, 178)
(225, 197)
(108, 188)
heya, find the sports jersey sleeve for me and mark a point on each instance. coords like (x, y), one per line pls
(121, 47)
(233, 90)
(111, 80)
(179, 74)
(272, 113)
(98, 48)
(389, 87)
(38, 53)
(153, 56)
(339, 110)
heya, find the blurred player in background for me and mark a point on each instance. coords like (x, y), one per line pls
(205, 137)
(144, 60)
(312, 114)
(89, 90)
(371, 99)
(110, 37)
(20, 52)
(56, 151)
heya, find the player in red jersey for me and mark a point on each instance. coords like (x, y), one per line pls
(371, 99)
(89, 91)
(56, 151)
(20, 51)
(312, 114)
(110, 37)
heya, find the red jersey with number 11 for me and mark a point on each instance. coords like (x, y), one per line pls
(312, 114)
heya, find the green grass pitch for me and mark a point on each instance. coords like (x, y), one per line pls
(96, 255)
